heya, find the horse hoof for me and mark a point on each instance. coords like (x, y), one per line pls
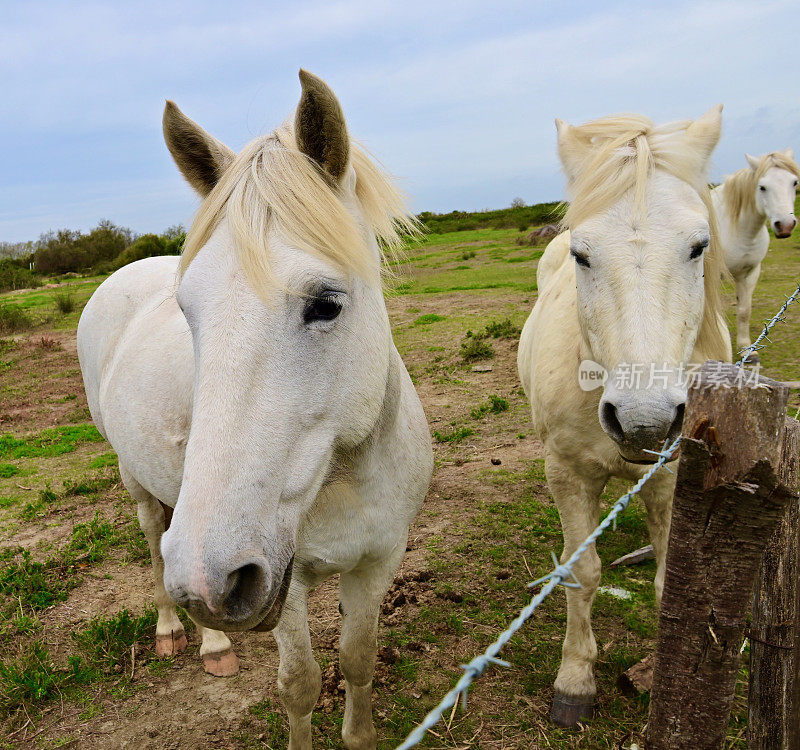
(171, 645)
(222, 664)
(569, 711)
(752, 359)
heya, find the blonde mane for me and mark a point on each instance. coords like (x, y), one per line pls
(619, 153)
(739, 189)
(272, 184)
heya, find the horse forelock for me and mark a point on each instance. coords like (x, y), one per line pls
(619, 154)
(272, 185)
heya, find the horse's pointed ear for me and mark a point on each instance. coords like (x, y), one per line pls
(201, 158)
(568, 151)
(789, 153)
(753, 161)
(319, 127)
(705, 131)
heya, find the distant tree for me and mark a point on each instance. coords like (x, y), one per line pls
(518, 203)
(174, 231)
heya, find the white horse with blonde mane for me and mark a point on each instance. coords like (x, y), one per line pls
(253, 386)
(633, 286)
(762, 193)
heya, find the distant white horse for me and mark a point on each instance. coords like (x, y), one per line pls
(254, 388)
(762, 193)
(633, 287)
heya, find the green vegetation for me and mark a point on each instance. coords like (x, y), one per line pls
(517, 217)
(474, 346)
(494, 405)
(456, 435)
(13, 319)
(503, 329)
(65, 303)
(14, 274)
(53, 441)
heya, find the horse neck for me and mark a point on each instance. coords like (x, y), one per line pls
(749, 221)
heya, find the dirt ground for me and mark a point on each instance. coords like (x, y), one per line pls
(486, 529)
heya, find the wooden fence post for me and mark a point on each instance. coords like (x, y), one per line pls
(731, 492)
(774, 702)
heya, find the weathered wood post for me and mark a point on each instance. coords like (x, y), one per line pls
(732, 486)
(774, 702)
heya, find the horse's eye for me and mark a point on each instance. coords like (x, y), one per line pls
(698, 248)
(795, 183)
(580, 259)
(325, 307)
(763, 188)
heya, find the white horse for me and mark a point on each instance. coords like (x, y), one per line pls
(762, 193)
(633, 286)
(254, 387)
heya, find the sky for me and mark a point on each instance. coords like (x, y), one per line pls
(455, 98)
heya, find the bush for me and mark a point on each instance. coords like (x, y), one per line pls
(64, 302)
(474, 346)
(504, 218)
(14, 275)
(13, 318)
(503, 329)
(146, 246)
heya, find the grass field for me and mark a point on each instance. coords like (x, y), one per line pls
(77, 626)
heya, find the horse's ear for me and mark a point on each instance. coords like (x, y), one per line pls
(704, 133)
(569, 151)
(319, 127)
(753, 161)
(201, 158)
(789, 153)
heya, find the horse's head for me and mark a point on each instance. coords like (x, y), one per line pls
(280, 286)
(642, 239)
(775, 187)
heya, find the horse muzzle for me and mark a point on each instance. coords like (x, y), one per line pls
(251, 597)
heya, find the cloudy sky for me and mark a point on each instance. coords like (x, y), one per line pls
(456, 98)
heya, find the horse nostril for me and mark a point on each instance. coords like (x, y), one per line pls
(610, 421)
(677, 423)
(244, 591)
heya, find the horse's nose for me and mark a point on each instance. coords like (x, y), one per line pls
(641, 424)
(784, 227)
(221, 596)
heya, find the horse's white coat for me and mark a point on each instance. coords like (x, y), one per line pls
(270, 436)
(635, 293)
(761, 194)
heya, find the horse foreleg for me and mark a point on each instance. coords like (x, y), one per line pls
(577, 499)
(745, 285)
(170, 635)
(361, 592)
(299, 676)
(217, 652)
(657, 496)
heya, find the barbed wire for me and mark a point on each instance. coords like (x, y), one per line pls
(559, 575)
(764, 335)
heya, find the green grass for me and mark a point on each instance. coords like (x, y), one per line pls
(493, 405)
(456, 435)
(54, 441)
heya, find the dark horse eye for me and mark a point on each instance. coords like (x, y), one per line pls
(325, 307)
(697, 249)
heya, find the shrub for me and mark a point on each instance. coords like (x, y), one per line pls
(13, 318)
(475, 346)
(14, 275)
(65, 304)
(503, 329)
(467, 254)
